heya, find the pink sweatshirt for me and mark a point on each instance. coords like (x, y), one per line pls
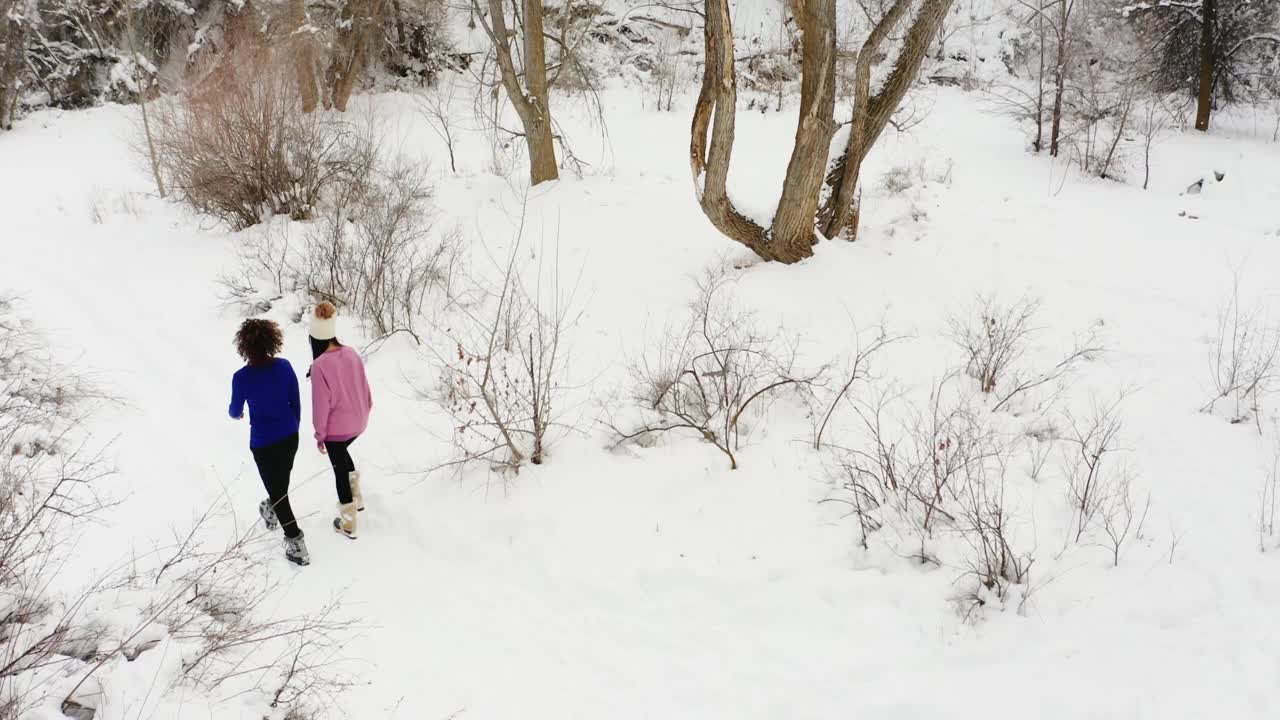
(340, 397)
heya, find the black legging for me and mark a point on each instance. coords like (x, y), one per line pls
(340, 457)
(275, 462)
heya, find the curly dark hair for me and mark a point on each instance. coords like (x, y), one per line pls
(258, 341)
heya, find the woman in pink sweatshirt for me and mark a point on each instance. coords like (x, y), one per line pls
(340, 407)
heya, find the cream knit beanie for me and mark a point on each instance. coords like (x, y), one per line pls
(324, 322)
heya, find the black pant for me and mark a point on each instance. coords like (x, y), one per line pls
(275, 462)
(340, 457)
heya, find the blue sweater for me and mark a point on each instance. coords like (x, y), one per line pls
(272, 393)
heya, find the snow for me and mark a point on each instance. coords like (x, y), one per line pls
(655, 582)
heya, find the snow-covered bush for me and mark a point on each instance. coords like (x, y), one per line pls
(706, 375)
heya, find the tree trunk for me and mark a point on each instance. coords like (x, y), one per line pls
(1208, 58)
(531, 100)
(353, 48)
(304, 55)
(14, 38)
(1039, 144)
(1055, 131)
(872, 113)
(542, 149)
(1062, 56)
(142, 100)
(402, 38)
(717, 109)
(793, 232)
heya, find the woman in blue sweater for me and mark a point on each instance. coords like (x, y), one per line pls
(267, 383)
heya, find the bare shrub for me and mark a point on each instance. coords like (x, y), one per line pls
(503, 376)
(857, 370)
(1091, 482)
(264, 254)
(1152, 123)
(947, 441)
(994, 566)
(913, 459)
(709, 373)
(1244, 360)
(920, 469)
(667, 72)
(1119, 513)
(50, 487)
(1039, 444)
(210, 595)
(1267, 504)
(373, 251)
(236, 146)
(863, 490)
(995, 338)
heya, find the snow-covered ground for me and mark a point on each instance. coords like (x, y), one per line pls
(655, 582)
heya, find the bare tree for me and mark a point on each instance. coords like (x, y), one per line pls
(526, 84)
(791, 233)
(436, 105)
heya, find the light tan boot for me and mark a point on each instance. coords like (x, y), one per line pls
(345, 523)
(356, 496)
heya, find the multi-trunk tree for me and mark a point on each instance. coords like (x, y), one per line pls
(820, 193)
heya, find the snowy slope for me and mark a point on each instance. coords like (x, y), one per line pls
(656, 583)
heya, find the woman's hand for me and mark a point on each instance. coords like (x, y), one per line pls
(323, 450)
